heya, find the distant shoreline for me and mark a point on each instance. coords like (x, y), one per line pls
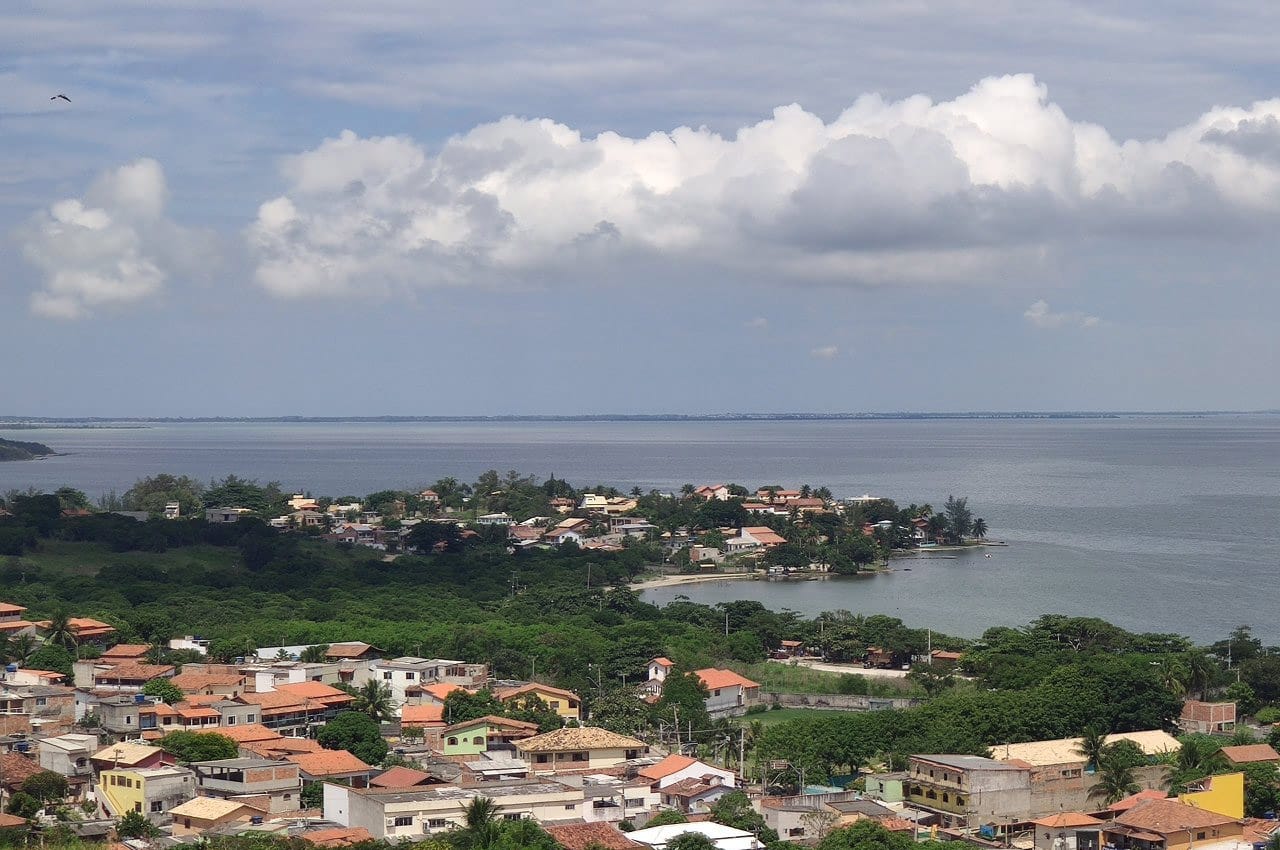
(36, 422)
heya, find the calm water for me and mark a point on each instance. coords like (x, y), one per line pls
(1157, 524)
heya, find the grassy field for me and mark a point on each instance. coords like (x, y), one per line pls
(785, 678)
(86, 559)
(782, 715)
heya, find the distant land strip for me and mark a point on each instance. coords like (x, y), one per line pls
(26, 422)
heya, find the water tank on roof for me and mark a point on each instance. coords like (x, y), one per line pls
(22, 746)
(256, 819)
(140, 699)
(11, 668)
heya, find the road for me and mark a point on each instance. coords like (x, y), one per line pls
(844, 668)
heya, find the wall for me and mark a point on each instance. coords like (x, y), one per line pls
(836, 702)
(1224, 796)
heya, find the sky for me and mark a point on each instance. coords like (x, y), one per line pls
(414, 208)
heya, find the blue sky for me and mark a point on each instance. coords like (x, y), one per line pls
(413, 208)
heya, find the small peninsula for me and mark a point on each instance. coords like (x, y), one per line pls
(19, 450)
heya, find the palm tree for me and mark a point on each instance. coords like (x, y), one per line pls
(1090, 746)
(1115, 782)
(313, 654)
(937, 526)
(1200, 671)
(1173, 675)
(374, 699)
(1199, 756)
(60, 632)
(481, 819)
(22, 648)
(6, 648)
(979, 529)
(282, 654)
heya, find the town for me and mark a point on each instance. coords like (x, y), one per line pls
(159, 721)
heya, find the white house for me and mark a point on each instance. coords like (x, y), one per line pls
(677, 768)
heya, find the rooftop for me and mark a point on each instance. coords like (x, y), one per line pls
(492, 790)
(578, 738)
(207, 808)
(1168, 816)
(1250, 754)
(328, 763)
(580, 836)
(1064, 750)
(715, 678)
(968, 762)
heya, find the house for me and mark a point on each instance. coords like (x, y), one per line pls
(728, 693)
(172, 510)
(11, 621)
(120, 676)
(274, 786)
(423, 716)
(567, 704)
(210, 684)
(712, 491)
(1222, 794)
(85, 629)
(677, 768)
(195, 817)
(16, 769)
(721, 837)
(696, 794)
(152, 791)
(944, 656)
(578, 748)
(659, 668)
(494, 519)
(1058, 832)
(130, 754)
(332, 766)
(296, 708)
(225, 515)
(609, 798)
(430, 497)
(351, 650)
(408, 814)
(610, 505)
(965, 790)
(48, 709)
(476, 736)
(401, 674)
(753, 538)
(1207, 718)
(561, 536)
(1161, 825)
(306, 519)
(596, 836)
(1060, 778)
(887, 787)
(1250, 754)
(402, 777)
(70, 756)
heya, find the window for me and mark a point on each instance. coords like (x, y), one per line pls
(579, 756)
(959, 800)
(795, 832)
(42, 701)
(410, 675)
(634, 802)
(946, 798)
(513, 817)
(554, 704)
(157, 806)
(231, 721)
(542, 758)
(453, 742)
(570, 807)
(128, 720)
(437, 823)
(186, 822)
(1200, 836)
(716, 692)
(478, 739)
(81, 762)
(248, 718)
(288, 796)
(137, 807)
(404, 821)
(387, 675)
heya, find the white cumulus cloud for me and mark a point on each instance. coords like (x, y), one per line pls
(113, 246)
(888, 192)
(1041, 316)
(825, 352)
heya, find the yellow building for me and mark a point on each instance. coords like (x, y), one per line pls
(1223, 795)
(152, 791)
(567, 704)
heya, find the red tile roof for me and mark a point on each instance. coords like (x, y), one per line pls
(400, 777)
(411, 715)
(15, 769)
(715, 678)
(580, 836)
(1250, 754)
(328, 763)
(339, 836)
(121, 651)
(1067, 820)
(666, 767)
(250, 732)
(347, 650)
(132, 671)
(1165, 817)
(318, 691)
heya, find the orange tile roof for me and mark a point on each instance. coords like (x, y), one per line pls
(326, 694)
(764, 534)
(1134, 799)
(283, 746)
(278, 701)
(347, 650)
(664, 661)
(421, 714)
(196, 713)
(16, 769)
(1250, 754)
(199, 681)
(250, 732)
(1168, 816)
(133, 671)
(328, 763)
(1067, 820)
(15, 626)
(440, 690)
(666, 767)
(400, 777)
(126, 650)
(580, 836)
(7, 821)
(715, 678)
(495, 722)
(44, 674)
(10, 608)
(339, 836)
(505, 694)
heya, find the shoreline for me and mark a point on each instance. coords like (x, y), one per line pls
(693, 578)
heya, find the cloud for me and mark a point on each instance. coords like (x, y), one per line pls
(826, 352)
(113, 246)
(1041, 316)
(759, 323)
(887, 193)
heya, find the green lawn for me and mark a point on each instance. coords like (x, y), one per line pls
(794, 679)
(782, 715)
(86, 559)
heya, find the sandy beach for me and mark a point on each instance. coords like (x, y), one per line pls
(671, 581)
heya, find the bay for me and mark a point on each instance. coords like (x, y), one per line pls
(1155, 523)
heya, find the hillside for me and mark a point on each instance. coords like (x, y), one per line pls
(18, 450)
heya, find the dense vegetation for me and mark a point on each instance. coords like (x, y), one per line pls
(21, 450)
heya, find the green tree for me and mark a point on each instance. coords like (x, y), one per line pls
(60, 632)
(136, 825)
(198, 746)
(621, 710)
(1092, 742)
(153, 493)
(480, 821)
(166, 690)
(734, 810)
(666, 817)
(53, 658)
(461, 706)
(979, 529)
(72, 499)
(1261, 794)
(959, 518)
(374, 699)
(313, 654)
(865, 835)
(46, 786)
(1115, 773)
(683, 700)
(23, 805)
(356, 733)
(690, 841)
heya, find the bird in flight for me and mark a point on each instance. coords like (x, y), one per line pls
(61, 97)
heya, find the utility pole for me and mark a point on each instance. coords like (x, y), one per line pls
(742, 752)
(726, 623)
